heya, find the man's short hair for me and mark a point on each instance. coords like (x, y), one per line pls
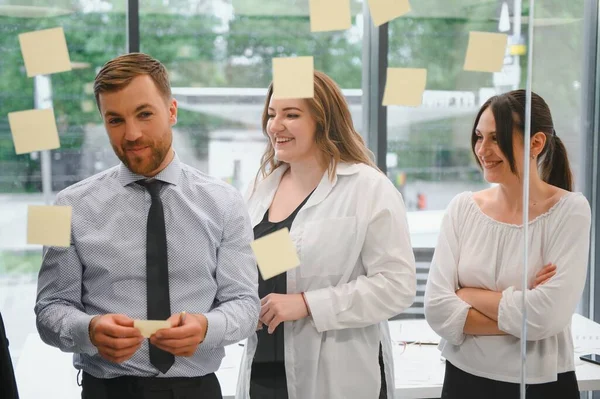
(117, 73)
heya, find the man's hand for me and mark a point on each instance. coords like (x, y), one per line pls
(277, 308)
(115, 337)
(181, 340)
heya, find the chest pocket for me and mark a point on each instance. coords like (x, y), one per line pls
(326, 246)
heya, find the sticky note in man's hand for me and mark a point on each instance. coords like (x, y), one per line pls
(329, 15)
(383, 11)
(45, 52)
(405, 86)
(49, 225)
(149, 327)
(33, 130)
(293, 77)
(275, 253)
(485, 52)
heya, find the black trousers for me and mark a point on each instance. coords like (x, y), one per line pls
(459, 384)
(8, 386)
(268, 381)
(205, 387)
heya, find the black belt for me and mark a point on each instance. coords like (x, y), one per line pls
(152, 383)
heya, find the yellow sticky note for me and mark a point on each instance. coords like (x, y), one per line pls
(49, 225)
(293, 77)
(485, 52)
(405, 86)
(383, 11)
(275, 253)
(149, 327)
(33, 130)
(45, 52)
(328, 15)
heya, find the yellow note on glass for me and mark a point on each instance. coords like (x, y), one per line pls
(485, 52)
(275, 253)
(383, 11)
(293, 77)
(405, 86)
(149, 327)
(45, 52)
(33, 130)
(329, 15)
(49, 225)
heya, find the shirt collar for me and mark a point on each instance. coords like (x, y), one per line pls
(344, 168)
(267, 187)
(170, 174)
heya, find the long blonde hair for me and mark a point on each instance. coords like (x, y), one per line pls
(335, 134)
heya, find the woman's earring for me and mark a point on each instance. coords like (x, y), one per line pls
(532, 156)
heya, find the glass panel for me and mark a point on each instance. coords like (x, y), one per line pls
(429, 147)
(433, 162)
(219, 59)
(558, 70)
(429, 154)
(95, 33)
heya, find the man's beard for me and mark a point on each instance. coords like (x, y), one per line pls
(143, 165)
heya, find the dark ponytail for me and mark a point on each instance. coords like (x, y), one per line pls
(509, 113)
(554, 167)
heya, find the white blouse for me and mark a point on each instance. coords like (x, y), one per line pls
(474, 250)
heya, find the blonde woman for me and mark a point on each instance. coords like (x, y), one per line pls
(323, 329)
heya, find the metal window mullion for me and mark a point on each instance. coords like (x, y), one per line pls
(375, 61)
(133, 26)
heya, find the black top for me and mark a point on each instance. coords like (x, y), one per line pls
(270, 346)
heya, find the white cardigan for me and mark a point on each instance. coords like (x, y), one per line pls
(357, 269)
(474, 250)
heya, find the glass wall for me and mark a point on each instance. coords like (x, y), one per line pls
(94, 33)
(429, 156)
(428, 148)
(219, 59)
(219, 53)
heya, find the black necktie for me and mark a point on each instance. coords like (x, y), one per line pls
(157, 272)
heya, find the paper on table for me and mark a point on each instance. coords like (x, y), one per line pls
(33, 130)
(149, 327)
(485, 52)
(49, 225)
(275, 253)
(414, 331)
(405, 86)
(293, 77)
(418, 366)
(383, 11)
(329, 15)
(45, 52)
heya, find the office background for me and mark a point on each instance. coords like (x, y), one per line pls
(219, 52)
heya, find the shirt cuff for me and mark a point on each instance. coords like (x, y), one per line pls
(460, 336)
(81, 334)
(320, 304)
(215, 329)
(504, 319)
